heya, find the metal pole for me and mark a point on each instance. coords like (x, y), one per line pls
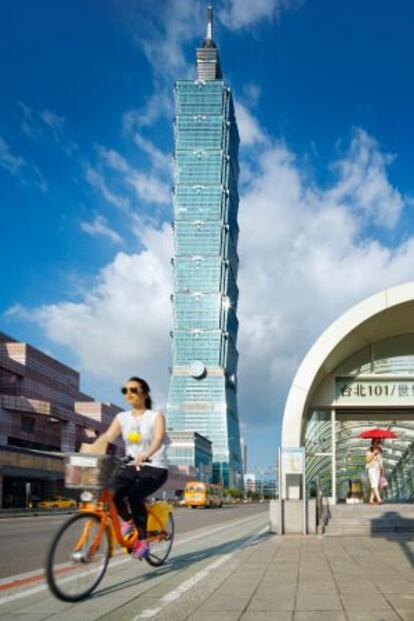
(281, 501)
(305, 530)
(333, 448)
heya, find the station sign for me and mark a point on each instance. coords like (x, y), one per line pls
(384, 392)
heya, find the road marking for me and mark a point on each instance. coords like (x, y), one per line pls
(185, 586)
(23, 579)
(202, 532)
(38, 574)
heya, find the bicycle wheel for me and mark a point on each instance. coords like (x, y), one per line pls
(160, 549)
(78, 557)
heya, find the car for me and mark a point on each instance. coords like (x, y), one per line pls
(57, 502)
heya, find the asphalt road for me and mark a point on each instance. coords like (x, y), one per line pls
(24, 541)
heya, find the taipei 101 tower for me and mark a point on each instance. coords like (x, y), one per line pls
(203, 389)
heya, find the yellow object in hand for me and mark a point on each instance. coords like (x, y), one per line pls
(134, 436)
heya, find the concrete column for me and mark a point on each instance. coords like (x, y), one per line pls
(333, 450)
(287, 517)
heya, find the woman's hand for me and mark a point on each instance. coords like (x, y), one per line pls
(140, 459)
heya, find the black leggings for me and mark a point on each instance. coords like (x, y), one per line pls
(135, 485)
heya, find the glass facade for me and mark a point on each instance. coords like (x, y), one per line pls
(335, 456)
(191, 449)
(202, 395)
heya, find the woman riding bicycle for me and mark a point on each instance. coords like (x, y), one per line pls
(143, 431)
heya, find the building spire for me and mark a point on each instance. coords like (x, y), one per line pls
(208, 62)
(209, 36)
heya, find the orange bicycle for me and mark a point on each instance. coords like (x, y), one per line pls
(80, 551)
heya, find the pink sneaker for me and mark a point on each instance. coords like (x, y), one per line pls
(140, 549)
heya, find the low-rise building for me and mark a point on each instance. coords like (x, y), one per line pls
(189, 448)
(262, 482)
(249, 482)
(42, 413)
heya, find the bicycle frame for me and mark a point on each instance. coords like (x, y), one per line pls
(106, 510)
(95, 531)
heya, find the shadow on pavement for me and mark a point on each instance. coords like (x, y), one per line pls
(181, 562)
(393, 526)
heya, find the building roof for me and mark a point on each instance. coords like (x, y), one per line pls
(383, 315)
(208, 62)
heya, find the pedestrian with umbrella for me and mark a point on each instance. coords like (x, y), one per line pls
(375, 467)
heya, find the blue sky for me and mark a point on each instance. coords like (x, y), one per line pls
(324, 104)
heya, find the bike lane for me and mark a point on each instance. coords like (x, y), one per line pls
(131, 587)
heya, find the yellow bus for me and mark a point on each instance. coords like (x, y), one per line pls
(199, 494)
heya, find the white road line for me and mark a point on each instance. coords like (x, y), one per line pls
(201, 532)
(185, 586)
(115, 563)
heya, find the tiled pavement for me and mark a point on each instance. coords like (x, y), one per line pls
(318, 579)
(236, 574)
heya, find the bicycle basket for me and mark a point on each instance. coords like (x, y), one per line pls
(90, 471)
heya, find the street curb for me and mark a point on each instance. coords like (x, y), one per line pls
(36, 513)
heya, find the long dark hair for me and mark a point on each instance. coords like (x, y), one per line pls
(375, 445)
(147, 390)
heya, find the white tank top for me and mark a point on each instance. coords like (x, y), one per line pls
(138, 433)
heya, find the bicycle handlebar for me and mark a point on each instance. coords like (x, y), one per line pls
(128, 458)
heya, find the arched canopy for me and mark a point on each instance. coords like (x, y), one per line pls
(383, 315)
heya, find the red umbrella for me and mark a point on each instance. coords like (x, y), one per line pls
(381, 434)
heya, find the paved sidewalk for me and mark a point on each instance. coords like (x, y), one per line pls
(318, 579)
(240, 572)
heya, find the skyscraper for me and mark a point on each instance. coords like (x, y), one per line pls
(203, 386)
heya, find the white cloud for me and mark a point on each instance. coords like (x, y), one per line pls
(182, 20)
(249, 128)
(27, 124)
(100, 227)
(26, 173)
(236, 14)
(8, 160)
(33, 122)
(52, 120)
(252, 93)
(149, 186)
(40, 181)
(163, 35)
(307, 254)
(157, 105)
(98, 181)
(159, 159)
(364, 184)
(114, 160)
(121, 326)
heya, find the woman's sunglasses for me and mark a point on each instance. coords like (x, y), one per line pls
(135, 391)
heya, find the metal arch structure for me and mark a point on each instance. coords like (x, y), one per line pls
(385, 314)
(334, 453)
(398, 456)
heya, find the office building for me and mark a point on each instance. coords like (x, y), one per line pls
(192, 449)
(203, 389)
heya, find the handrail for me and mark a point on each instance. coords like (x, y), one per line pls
(401, 487)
